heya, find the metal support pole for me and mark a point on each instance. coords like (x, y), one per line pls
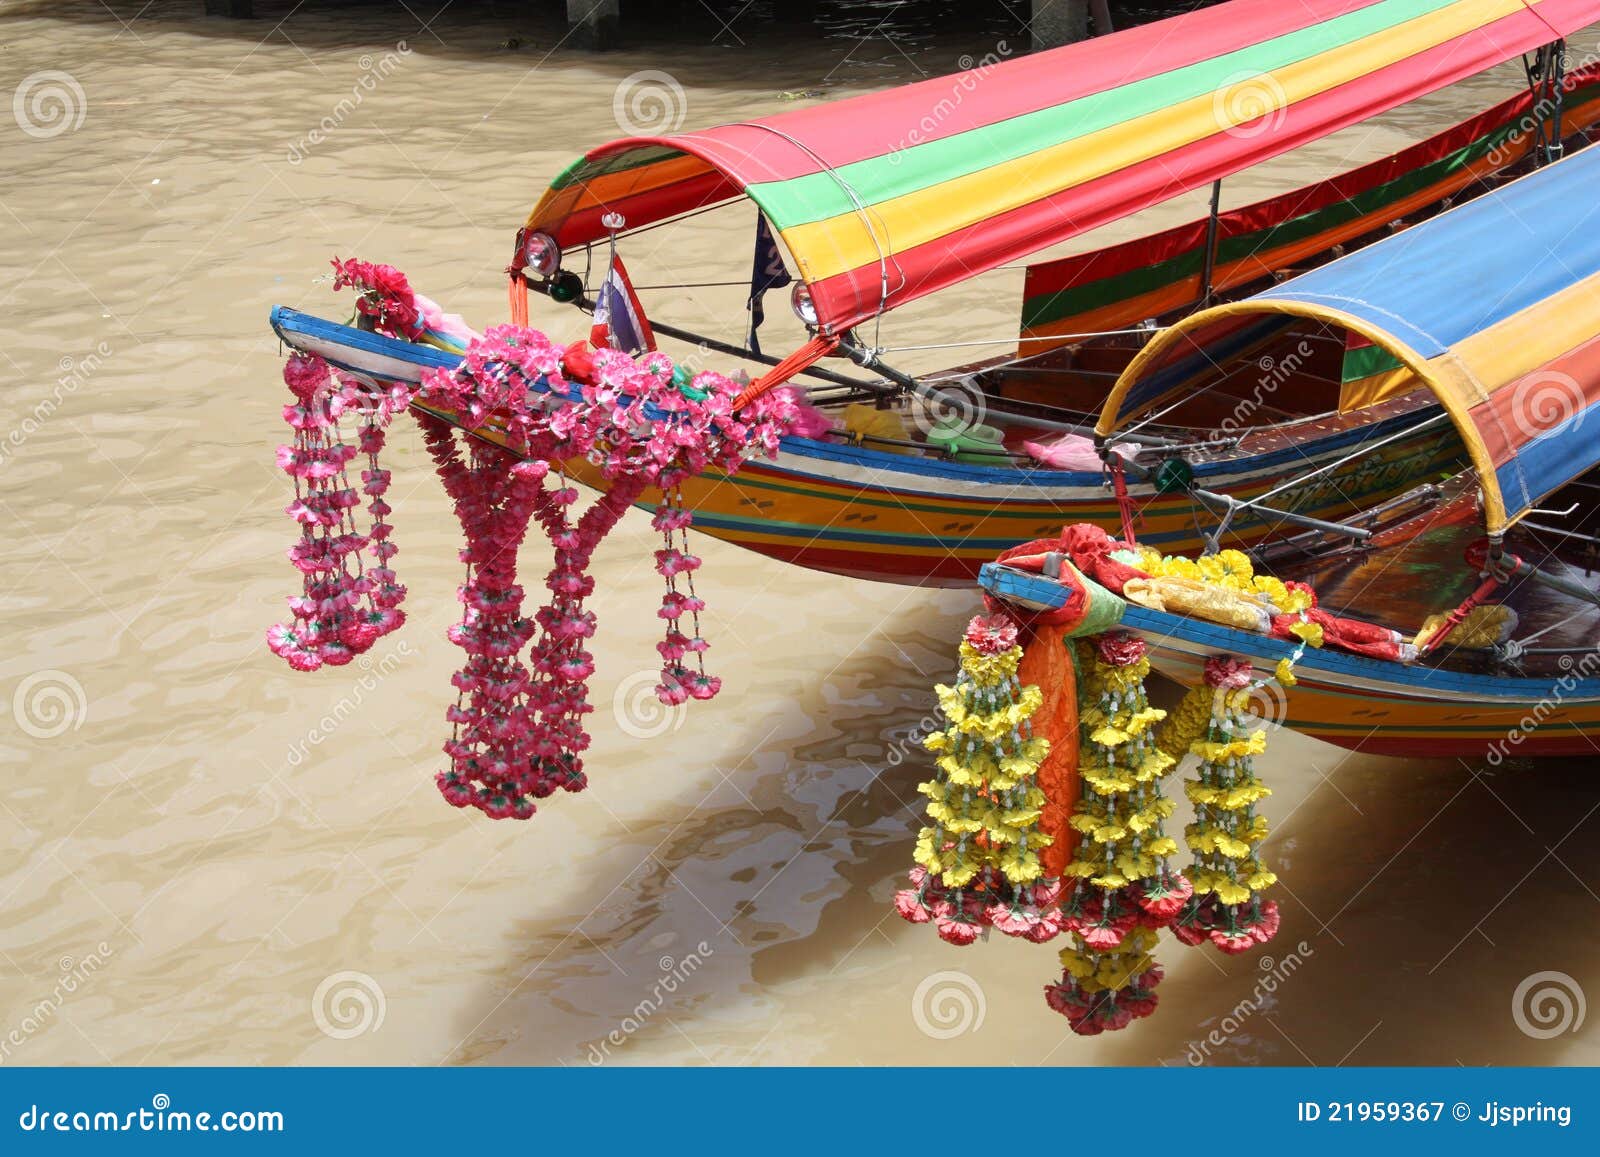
(596, 24)
(1058, 22)
(1558, 76)
(1209, 273)
(867, 359)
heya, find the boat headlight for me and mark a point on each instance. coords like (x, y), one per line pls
(800, 300)
(541, 254)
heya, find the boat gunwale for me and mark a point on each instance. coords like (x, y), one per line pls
(286, 321)
(1405, 680)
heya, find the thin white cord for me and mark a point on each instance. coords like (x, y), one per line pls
(1066, 337)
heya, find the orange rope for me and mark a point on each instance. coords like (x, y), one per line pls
(802, 358)
(517, 290)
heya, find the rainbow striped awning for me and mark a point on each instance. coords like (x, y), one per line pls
(883, 198)
(1494, 306)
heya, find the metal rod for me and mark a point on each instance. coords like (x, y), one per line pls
(1542, 529)
(1366, 448)
(1426, 495)
(1558, 69)
(867, 359)
(1211, 243)
(722, 347)
(1231, 505)
(1565, 586)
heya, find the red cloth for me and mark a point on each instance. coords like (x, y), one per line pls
(1343, 634)
(1087, 546)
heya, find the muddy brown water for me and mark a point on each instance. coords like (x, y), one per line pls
(207, 858)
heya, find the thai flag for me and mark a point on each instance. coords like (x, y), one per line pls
(619, 320)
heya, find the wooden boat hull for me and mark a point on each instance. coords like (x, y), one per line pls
(1370, 705)
(868, 513)
(1383, 708)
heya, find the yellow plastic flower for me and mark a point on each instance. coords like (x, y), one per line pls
(1309, 631)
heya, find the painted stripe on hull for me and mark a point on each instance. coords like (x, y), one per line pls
(1383, 708)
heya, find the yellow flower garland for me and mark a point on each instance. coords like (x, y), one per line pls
(985, 809)
(1227, 830)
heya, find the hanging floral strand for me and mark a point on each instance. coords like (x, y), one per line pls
(1228, 875)
(978, 863)
(1123, 889)
(517, 727)
(341, 609)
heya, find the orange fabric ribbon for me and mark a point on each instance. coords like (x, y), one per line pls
(1047, 663)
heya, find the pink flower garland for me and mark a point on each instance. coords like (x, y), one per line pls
(341, 609)
(519, 733)
(517, 726)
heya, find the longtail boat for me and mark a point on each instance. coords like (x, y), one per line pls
(1460, 619)
(1486, 582)
(880, 204)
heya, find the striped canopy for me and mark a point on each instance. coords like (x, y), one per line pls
(1119, 286)
(886, 197)
(1494, 306)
